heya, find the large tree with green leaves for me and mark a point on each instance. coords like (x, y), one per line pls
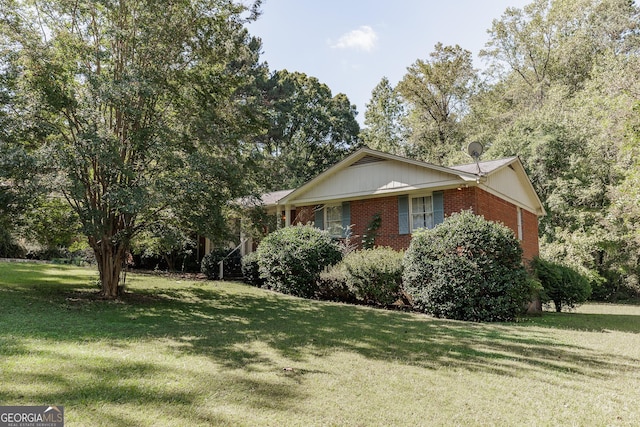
(130, 108)
(563, 100)
(309, 129)
(437, 91)
(384, 119)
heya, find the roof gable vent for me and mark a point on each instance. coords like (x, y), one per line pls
(368, 159)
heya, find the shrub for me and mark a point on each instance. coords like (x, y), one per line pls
(375, 275)
(290, 259)
(467, 268)
(9, 248)
(251, 270)
(332, 285)
(211, 268)
(561, 284)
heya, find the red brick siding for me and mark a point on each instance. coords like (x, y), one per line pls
(530, 244)
(496, 209)
(459, 200)
(362, 212)
(493, 208)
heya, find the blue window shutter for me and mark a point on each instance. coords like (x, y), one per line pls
(403, 214)
(346, 218)
(319, 217)
(438, 207)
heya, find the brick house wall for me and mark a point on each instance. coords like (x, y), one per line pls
(481, 202)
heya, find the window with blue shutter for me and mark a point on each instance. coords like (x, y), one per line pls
(319, 217)
(346, 218)
(403, 214)
(420, 212)
(438, 207)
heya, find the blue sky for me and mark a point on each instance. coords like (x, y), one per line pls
(351, 44)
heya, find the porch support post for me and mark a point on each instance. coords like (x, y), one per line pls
(287, 215)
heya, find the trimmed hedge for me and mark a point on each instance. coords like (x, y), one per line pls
(467, 268)
(375, 275)
(332, 285)
(561, 284)
(290, 259)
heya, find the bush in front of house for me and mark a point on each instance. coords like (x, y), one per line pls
(332, 285)
(467, 268)
(210, 264)
(291, 258)
(561, 284)
(374, 275)
(251, 270)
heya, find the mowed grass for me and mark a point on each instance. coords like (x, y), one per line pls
(178, 353)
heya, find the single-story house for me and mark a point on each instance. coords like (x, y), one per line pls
(407, 195)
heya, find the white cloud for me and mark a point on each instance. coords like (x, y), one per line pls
(364, 38)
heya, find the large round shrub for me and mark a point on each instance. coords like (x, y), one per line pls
(467, 268)
(251, 269)
(561, 284)
(290, 259)
(375, 275)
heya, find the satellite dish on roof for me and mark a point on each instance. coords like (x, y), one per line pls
(475, 150)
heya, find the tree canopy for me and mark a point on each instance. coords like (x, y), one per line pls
(560, 90)
(307, 129)
(129, 109)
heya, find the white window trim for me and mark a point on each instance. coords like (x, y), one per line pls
(415, 196)
(326, 218)
(520, 230)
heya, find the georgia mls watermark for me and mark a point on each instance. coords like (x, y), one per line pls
(31, 416)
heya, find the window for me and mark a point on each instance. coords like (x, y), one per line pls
(519, 224)
(421, 212)
(333, 220)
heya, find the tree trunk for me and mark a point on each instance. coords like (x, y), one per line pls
(558, 304)
(110, 258)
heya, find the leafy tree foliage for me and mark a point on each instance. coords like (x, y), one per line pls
(561, 284)
(563, 102)
(308, 129)
(51, 223)
(437, 91)
(129, 108)
(165, 240)
(384, 120)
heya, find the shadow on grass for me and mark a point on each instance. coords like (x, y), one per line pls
(224, 321)
(589, 322)
(216, 319)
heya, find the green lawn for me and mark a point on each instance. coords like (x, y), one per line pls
(180, 353)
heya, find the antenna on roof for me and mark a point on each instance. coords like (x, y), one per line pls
(475, 150)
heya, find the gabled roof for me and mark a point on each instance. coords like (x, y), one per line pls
(371, 173)
(367, 156)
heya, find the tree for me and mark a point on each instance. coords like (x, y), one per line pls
(561, 284)
(309, 129)
(559, 42)
(131, 108)
(437, 91)
(562, 101)
(384, 120)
